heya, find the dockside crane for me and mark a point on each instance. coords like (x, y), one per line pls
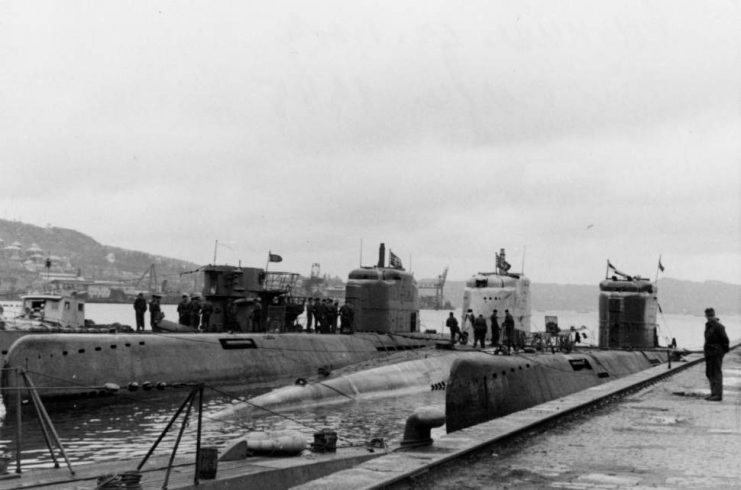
(151, 272)
(438, 286)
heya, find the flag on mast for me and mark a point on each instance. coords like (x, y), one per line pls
(661, 266)
(274, 257)
(394, 261)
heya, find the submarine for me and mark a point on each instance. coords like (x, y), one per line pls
(482, 389)
(231, 350)
(482, 384)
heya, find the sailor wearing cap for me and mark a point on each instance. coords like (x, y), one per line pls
(155, 310)
(184, 311)
(195, 311)
(140, 307)
(716, 346)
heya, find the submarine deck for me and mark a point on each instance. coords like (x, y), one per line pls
(661, 432)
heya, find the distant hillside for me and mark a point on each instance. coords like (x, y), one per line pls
(24, 249)
(675, 296)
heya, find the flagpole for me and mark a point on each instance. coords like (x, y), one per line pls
(268, 262)
(523, 259)
(658, 266)
(607, 269)
(216, 245)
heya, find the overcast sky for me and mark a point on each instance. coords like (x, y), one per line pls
(568, 133)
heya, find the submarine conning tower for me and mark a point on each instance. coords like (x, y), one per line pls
(627, 313)
(234, 292)
(384, 299)
(500, 290)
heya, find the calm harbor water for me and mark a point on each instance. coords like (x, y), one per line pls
(124, 426)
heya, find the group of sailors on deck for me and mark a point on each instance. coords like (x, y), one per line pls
(509, 339)
(324, 313)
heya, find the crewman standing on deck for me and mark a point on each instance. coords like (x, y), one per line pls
(334, 313)
(494, 329)
(321, 316)
(509, 330)
(184, 311)
(140, 307)
(155, 310)
(309, 314)
(206, 309)
(479, 331)
(455, 330)
(195, 311)
(347, 316)
(257, 316)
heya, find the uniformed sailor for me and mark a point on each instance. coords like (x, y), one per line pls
(509, 330)
(206, 309)
(184, 311)
(333, 313)
(346, 318)
(140, 307)
(195, 311)
(455, 330)
(257, 316)
(494, 329)
(479, 331)
(155, 310)
(309, 314)
(716, 346)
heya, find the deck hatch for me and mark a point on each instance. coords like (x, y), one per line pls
(229, 344)
(579, 364)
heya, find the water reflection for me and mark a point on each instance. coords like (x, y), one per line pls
(116, 428)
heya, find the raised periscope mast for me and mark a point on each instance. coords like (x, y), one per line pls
(384, 299)
(500, 290)
(627, 312)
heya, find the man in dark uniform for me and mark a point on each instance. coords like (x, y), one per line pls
(334, 313)
(140, 307)
(509, 330)
(257, 316)
(479, 331)
(346, 318)
(320, 312)
(494, 329)
(309, 314)
(155, 310)
(195, 311)
(716, 346)
(206, 309)
(455, 330)
(184, 311)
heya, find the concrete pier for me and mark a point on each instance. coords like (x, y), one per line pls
(643, 431)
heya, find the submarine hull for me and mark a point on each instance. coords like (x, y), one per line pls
(63, 365)
(482, 389)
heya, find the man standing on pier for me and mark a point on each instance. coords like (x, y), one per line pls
(140, 307)
(716, 346)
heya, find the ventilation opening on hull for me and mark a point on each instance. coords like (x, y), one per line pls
(579, 364)
(228, 344)
(385, 348)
